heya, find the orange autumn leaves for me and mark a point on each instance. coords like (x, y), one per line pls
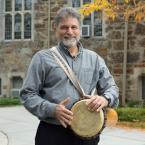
(99, 5)
(111, 8)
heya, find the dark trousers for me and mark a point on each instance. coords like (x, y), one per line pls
(48, 134)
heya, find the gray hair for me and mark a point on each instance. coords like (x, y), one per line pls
(65, 13)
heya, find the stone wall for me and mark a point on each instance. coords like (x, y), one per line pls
(15, 56)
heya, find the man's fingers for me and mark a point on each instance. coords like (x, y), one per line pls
(96, 103)
(63, 114)
(91, 100)
(63, 124)
(99, 108)
(68, 114)
(66, 121)
(65, 101)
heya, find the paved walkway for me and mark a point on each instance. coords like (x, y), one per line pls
(3, 138)
(18, 127)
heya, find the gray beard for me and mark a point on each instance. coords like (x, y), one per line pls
(69, 43)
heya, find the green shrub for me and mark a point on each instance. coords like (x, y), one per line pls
(7, 101)
(131, 114)
(134, 103)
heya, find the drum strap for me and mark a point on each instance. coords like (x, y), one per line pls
(64, 65)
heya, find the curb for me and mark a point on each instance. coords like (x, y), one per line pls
(3, 138)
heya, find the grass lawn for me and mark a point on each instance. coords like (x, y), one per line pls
(9, 101)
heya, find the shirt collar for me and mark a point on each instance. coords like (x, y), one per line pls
(65, 50)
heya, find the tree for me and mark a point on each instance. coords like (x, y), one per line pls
(133, 10)
(130, 8)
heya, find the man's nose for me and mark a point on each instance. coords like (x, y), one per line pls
(70, 30)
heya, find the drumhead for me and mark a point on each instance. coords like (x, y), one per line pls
(86, 123)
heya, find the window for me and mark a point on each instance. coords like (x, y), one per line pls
(76, 3)
(27, 26)
(143, 87)
(16, 85)
(17, 26)
(8, 26)
(18, 19)
(8, 5)
(93, 24)
(0, 86)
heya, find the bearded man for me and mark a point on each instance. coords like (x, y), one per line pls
(49, 94)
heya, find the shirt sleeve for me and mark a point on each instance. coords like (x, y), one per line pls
(29, 94)
(106, 85)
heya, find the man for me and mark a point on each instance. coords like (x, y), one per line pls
(49, 94)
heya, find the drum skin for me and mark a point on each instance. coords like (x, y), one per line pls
(86, 123)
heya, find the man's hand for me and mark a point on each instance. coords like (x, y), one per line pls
(64, 115)
(96, 103)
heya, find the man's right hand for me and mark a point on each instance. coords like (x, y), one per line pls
(64, 115)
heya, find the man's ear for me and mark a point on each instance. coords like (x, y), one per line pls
(53, 26)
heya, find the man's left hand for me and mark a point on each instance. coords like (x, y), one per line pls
(96, 103)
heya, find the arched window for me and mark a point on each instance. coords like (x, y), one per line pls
(18, 19)
(27, 26)
(8, 27)
(97, 23)
(17, 26)
(27, 4)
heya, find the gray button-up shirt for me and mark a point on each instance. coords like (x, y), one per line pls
(46, 84)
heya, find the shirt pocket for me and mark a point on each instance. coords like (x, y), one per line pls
(87, 75)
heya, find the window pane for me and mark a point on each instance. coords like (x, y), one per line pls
(75, 3)
(16, 85)
(8, 27)
(27, 26)
(86, 1)
(97, 23)
(28, 4)
(143, 87)
(87, 21)
(18, 5)
(8, 5)
(0, 87)
(17, 26)
(17, 82)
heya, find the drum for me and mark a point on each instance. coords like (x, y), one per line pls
(85, 123)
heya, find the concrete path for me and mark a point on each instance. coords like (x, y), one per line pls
(18, 127)
(3, 138)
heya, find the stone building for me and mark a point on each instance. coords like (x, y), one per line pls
(25, 28)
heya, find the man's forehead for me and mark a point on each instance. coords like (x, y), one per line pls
(68, 18)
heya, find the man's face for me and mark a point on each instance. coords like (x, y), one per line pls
(68, 32)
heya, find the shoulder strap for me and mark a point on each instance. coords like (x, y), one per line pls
(64, 65)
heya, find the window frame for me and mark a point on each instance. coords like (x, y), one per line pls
(142, 87)
(92, 21)
(22, 13)
(0, 86)
(13, 88)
